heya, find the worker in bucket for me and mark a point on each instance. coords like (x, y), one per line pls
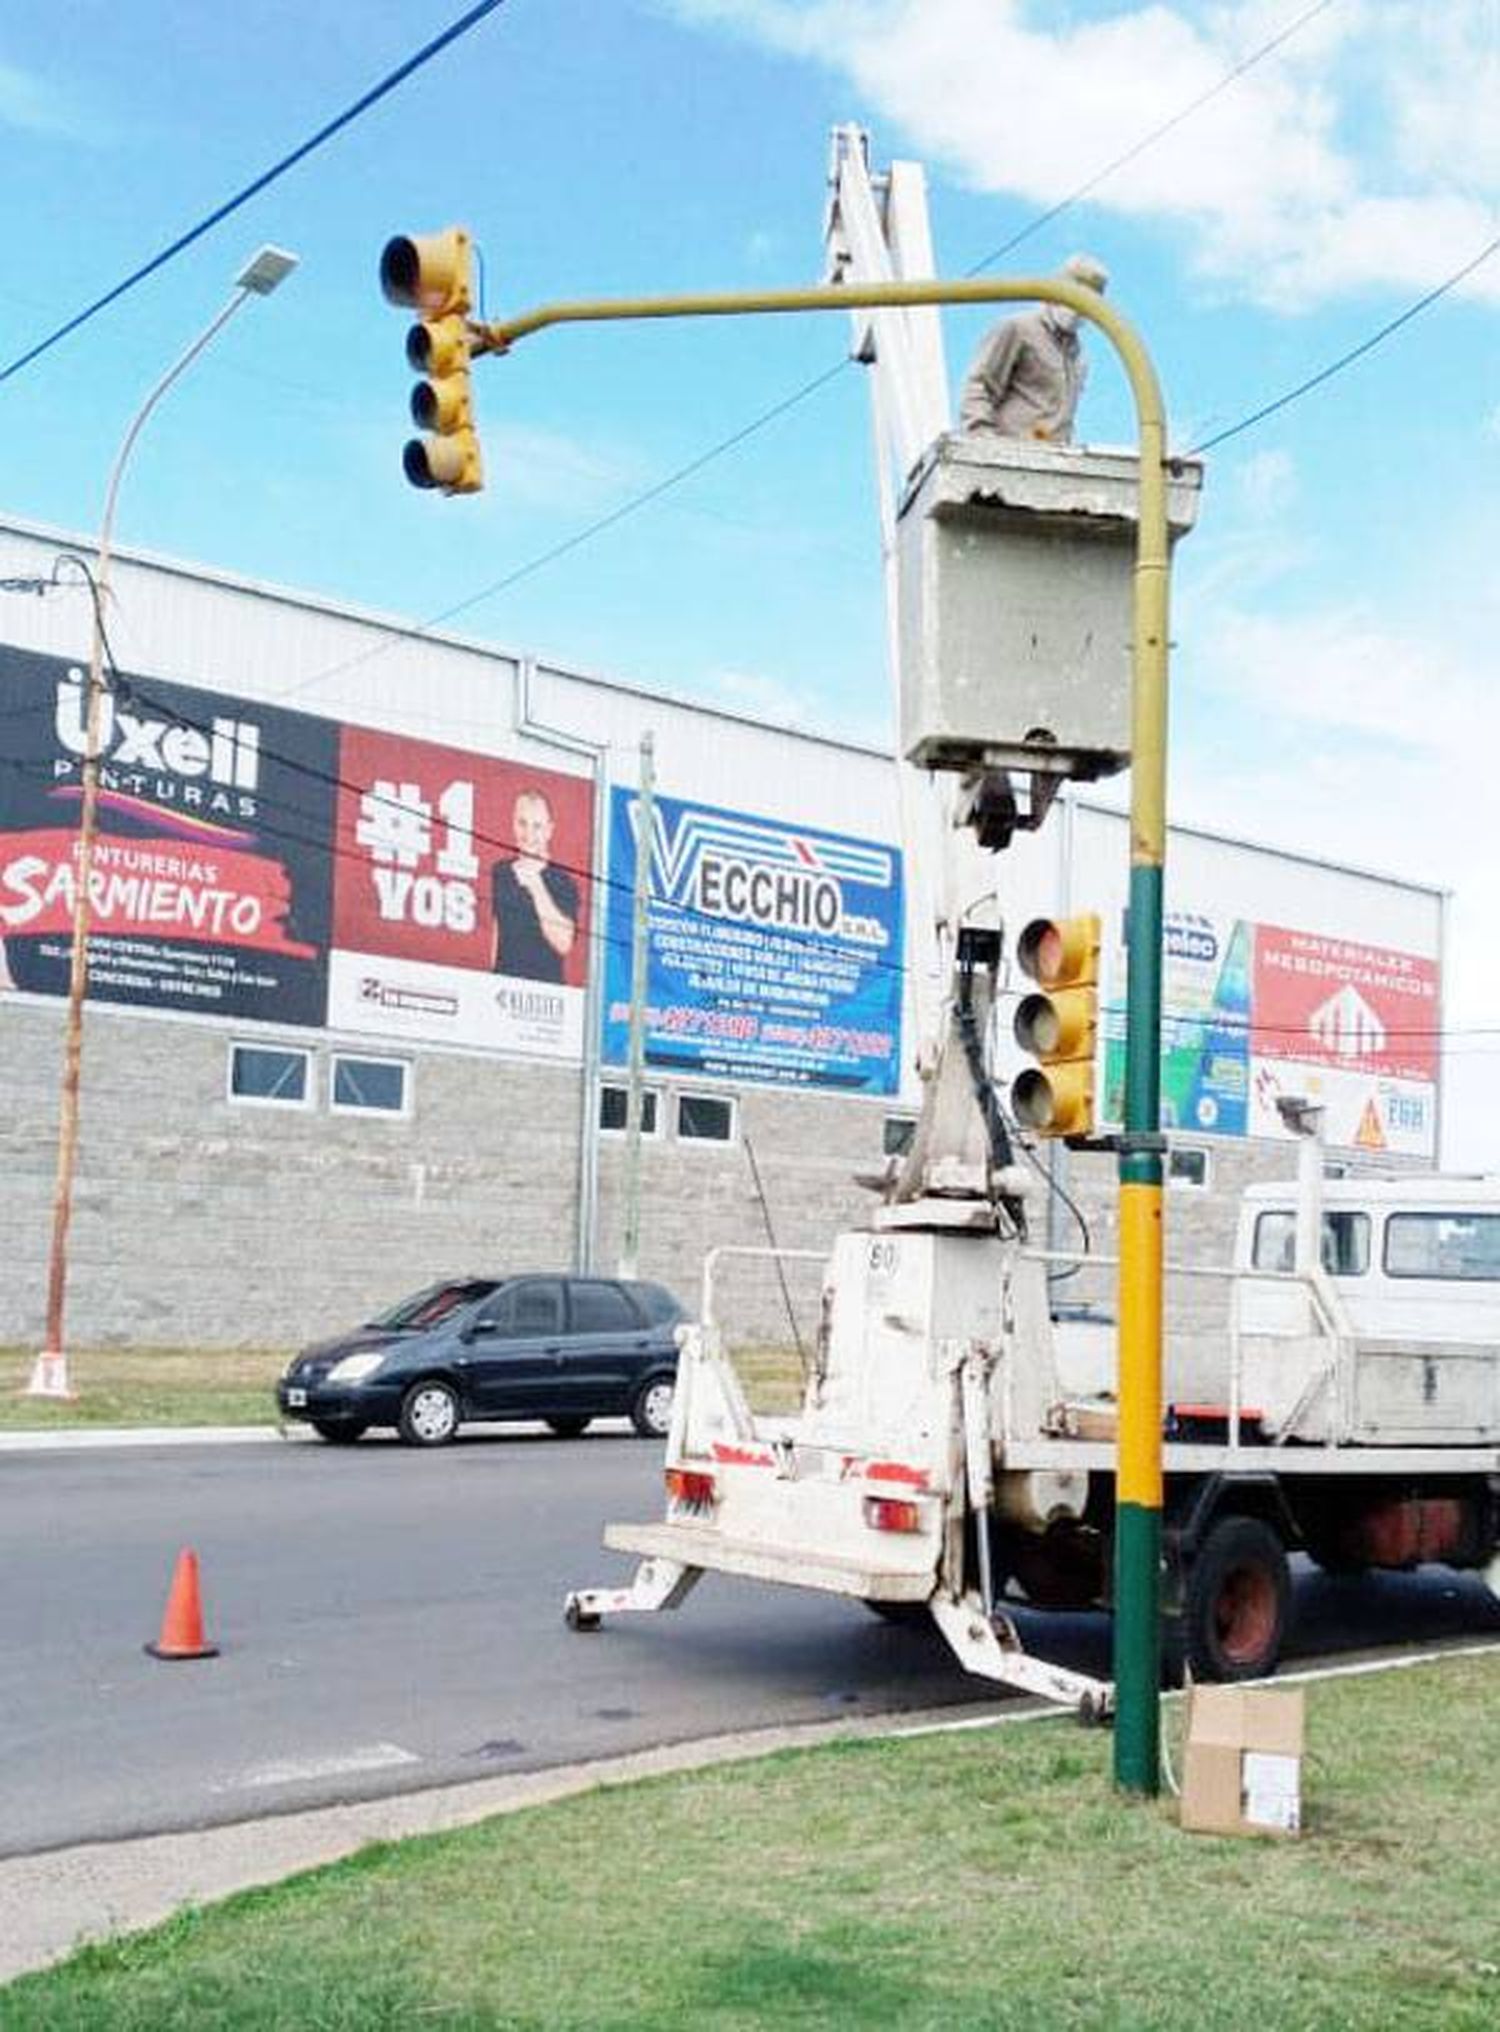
(1029, 372)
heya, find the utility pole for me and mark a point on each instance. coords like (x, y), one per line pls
(640, 928)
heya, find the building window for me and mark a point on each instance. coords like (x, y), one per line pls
(369, 1086)
(613, 1102)
(704, 1118)
(896, 1134)
(270, 1075)
(1188, 1169)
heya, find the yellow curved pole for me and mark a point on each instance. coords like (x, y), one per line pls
(1138, 1475)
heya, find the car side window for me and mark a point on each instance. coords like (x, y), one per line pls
(538, 1308)
(659, 1306)
(602, 1308)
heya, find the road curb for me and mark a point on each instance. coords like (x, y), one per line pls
(62, 1899)
(68, 1438)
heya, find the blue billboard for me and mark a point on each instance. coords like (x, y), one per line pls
(774, 950)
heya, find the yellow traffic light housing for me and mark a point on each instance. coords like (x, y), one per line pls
(433, 273)
(1058, 1024)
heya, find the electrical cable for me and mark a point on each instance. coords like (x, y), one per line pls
(765, 1212)
(420, 629)
(378, 91)
(1146, 141)
(819, 381)
(1347, 359)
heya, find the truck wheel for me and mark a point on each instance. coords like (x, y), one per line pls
(1235, 1610)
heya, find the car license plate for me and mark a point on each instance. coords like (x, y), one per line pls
(296, 1397)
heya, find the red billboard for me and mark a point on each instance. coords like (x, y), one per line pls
(1330, 1002)
(461, 896)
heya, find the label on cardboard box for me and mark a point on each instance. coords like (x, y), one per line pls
(1270, 1791)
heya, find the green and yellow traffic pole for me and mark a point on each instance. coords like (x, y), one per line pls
(1138, 1477)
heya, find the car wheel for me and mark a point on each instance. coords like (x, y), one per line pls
(429, 1414)
(567, 1428)
(338, 1432)
(651, 1413)
(1235, 1606)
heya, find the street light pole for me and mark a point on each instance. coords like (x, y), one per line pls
(49, 1376)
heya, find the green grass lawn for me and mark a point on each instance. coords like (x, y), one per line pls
(980, 1880)
(153, 1386)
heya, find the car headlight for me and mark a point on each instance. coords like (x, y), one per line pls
(355, 1368)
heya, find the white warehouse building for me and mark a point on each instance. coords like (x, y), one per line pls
(360, 972)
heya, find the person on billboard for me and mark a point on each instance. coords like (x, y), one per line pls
(536, 905)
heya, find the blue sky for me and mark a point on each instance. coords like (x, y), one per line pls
(1336, 611)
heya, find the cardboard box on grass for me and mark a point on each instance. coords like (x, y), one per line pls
(1242, 1771)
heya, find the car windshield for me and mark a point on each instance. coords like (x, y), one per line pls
(426, 1308)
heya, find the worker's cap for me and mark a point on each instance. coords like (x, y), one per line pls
(1085, 269)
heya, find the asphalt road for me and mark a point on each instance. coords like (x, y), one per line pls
(391, 1619)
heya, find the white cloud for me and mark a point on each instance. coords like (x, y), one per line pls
(36, 108)
(1363, 152)
(1367, 745)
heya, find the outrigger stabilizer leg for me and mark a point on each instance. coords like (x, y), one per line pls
(658, 1584)
(989, 1646)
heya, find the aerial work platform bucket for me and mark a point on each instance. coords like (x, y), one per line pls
(1015, 563)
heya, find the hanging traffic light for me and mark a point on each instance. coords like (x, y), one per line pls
(1058, 1024)
(433, 273)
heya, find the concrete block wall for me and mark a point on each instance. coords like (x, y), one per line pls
(201, 1222)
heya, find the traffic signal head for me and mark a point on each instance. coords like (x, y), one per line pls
(430, 272)
(433, 272)
(1057, 1024)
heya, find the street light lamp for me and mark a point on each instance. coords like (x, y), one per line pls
(49, 1376)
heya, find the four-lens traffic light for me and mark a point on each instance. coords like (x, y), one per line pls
(433, 274)
(1058, 1024)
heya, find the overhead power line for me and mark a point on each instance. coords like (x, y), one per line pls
(1354, 353)
(1156, 134)
(779, 408)
(387, 84)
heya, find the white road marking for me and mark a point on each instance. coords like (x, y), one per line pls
(301, 1770)
(1359, 1668)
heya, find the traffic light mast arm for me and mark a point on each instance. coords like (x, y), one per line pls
(1139, 1474)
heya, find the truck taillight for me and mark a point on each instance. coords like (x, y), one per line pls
(891, 1513)
(689, 1485)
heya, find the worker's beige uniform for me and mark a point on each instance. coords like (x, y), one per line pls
(1025, 381)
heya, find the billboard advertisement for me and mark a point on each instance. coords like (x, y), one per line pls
(774, 950)
(210, 883)
(1352, 1026)
(252, 863)
(1205, 1040)
(461, 898)
(1255, 1012)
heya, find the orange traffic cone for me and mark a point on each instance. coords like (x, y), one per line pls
(182, 1624)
